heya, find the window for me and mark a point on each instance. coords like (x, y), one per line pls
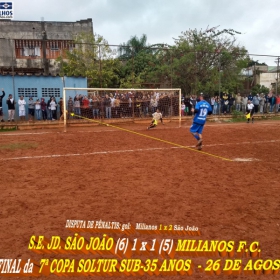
(28, 92)
(47, 92)
(31, 51)
(28, 48)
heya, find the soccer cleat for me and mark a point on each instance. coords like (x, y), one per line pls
(199, 143)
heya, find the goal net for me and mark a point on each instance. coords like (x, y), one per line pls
(107, 105)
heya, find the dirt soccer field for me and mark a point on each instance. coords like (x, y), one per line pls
(229, 190)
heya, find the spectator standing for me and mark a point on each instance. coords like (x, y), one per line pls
(225, 102)
(262, 103)
(49, 112)
(85, 105)
(244, 101)
(238, 102)
(95, 107)
(107, 104)
(1, 109)
(77, 105)
(38, 109)
(250, 96)
(277, 103)
(21, 108)
(215, 107)
(31, 108)
(256, 102)
(267, 103)
(70, 107)
(11, 108)
(272, 103)
(44, 109)
(183, 108)
(53, 109)
(117, 103)
(154, 104)
(231, 101)
(212, 102)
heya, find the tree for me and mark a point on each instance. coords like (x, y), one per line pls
(139, 61)
(207, 60)
(255, 62)
(258, 89)
(92, 58)
(133, 46)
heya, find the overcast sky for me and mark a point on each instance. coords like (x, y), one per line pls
(162, 20)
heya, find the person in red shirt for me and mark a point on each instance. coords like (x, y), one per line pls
(277, 103)
(85, 107)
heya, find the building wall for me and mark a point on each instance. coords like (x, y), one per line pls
(16, 34)
(38, 87)
(266, 79)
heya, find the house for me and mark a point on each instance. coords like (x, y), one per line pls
(34, 46)
(260, 74)
(38, 86)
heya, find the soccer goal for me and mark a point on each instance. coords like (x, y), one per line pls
(110, 105)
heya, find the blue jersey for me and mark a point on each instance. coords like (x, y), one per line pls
(202, 107)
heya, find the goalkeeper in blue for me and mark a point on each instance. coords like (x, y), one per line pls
(201, 110)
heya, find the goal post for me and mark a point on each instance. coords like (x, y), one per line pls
(101, 105)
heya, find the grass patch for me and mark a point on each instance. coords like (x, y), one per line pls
(277, 118)
(18, 146)
(7, 129)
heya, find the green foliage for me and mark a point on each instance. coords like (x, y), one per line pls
(258, 89)
(91, 58)
(203, 60)
(198, 61)
(255, 62)
(7, 129)
(238, 115)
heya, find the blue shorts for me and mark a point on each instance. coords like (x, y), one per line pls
(197, 128)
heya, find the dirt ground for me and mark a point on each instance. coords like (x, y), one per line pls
(230, 190)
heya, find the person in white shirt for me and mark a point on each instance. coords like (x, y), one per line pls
(53, 109)
(250, 110)
(156, 117)
(21, 108)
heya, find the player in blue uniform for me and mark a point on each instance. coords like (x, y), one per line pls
(201, 110)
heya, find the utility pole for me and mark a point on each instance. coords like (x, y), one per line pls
(277, 71)
(100, 67)
(13, 70)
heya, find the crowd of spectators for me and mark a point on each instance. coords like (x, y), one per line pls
(135, 104)
(227, 103)
(123, 104)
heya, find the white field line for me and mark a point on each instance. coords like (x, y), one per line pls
(135, 150)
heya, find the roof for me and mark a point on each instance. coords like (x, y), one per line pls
(35, 74)
(273, 69)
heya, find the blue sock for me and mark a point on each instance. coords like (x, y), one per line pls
(196, 136)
